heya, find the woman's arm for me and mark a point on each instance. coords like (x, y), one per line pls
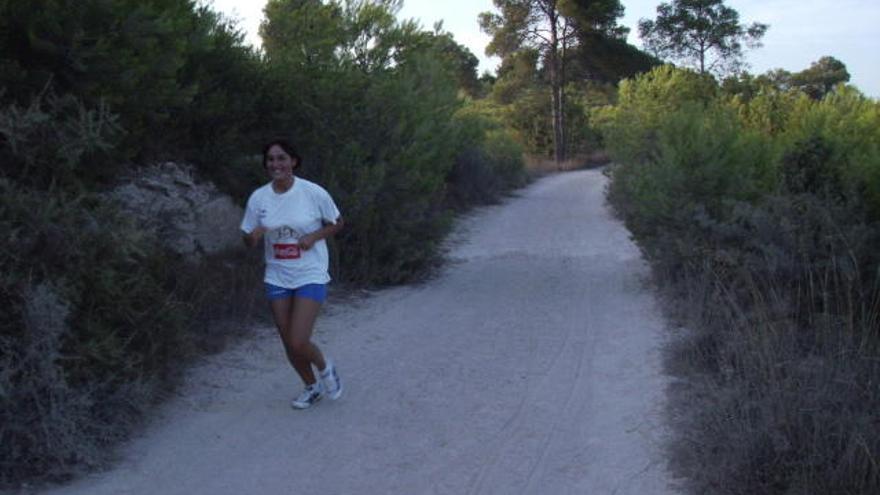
(328, 230)
(254, 237)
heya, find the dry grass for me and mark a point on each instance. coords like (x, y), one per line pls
(778, 370)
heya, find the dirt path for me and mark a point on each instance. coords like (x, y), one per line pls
(530, 365)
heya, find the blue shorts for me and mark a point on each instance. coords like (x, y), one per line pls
(316, 292)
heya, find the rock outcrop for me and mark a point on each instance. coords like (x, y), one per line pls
(190, 217)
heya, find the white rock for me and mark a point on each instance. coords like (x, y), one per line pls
(190, 217)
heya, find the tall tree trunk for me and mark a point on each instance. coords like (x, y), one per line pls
(556, 88)
(558, 124)
(702, 57)
(562, 81)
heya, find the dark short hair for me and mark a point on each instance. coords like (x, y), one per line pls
(284, 145)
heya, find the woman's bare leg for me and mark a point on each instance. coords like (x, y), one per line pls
(295, 319)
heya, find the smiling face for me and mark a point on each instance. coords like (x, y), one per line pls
(279, 164)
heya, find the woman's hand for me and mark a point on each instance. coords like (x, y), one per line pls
(307, 241)
(254, 237)
(328, 230)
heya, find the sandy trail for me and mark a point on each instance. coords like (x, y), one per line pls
(529, 365)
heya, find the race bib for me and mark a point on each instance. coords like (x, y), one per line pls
(286, 251)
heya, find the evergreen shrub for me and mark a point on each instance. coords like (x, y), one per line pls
(97, 317)
(760, 218)
(490, 160)
(92, 329)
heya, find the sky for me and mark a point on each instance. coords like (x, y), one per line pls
(801, 31)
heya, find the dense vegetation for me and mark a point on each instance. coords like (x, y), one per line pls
(757, 201)
(758, 207)
(97, 314)
(568, 53)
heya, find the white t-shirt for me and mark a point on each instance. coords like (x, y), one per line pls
(301, 210)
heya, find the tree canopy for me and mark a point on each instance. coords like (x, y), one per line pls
(818, 80)
(821, 77)
(704, 34)
(551, 28)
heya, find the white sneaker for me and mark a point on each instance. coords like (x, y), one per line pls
(308, 397)
(331, 381)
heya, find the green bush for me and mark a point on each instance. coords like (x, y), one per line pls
(850, 125)
(526, 115)
(784, 319)
(760, 218)
(770, 111)
(490, 161)
(124, 53)
(175, 75)
(92, 329)
(98, 315)
(630, 127)
(378, 128)
(701, 161)
(80, 135)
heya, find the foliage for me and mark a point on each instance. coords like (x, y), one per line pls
(490, 161)
(456, 58)
(602, 58)
(591, 50)
(594, 16)
(83, 135)
(98, 315)
(550, 28)
(77, 46)
(316, 35)
(767, 110)
(817, 81)
(850, 125)
(537, 25)
(226, 112)
(784, 316)
(700, 162)
(522, 105)
(92, 329)
(397, 147)
(541, 24)
(527, 117)
(759, 217)
(705, 34)
(396, 232)
(517, 74)
(631, 127)
(155, 64)
(821, 77)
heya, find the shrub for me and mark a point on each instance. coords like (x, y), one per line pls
(490, 161)
(382, 137)
(80, 135)
(97, 315)
(629, 128)
(700, 162)
(784, 340)
(93, 329)
(849, 123)
(770, 111)
(759, 219)
(389, 176)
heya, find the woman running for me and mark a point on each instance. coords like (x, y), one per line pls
(293, 217)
